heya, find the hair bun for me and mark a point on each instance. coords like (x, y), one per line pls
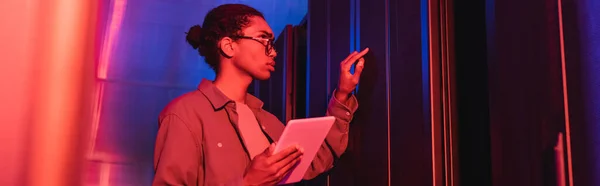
(194, 35)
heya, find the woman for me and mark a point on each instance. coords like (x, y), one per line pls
(219, 134)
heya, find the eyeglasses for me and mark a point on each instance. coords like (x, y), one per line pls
(268, 43)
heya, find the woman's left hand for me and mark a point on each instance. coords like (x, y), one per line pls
(348, 81)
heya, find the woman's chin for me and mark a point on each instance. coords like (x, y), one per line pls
(263, 76)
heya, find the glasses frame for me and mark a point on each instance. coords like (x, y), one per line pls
(268, 43)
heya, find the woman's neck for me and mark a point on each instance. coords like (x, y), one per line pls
(233, 84)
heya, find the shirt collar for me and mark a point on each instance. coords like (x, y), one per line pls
(218, 100)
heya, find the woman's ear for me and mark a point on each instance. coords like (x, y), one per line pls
(227, 46)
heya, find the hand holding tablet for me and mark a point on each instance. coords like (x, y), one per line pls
(309, 134)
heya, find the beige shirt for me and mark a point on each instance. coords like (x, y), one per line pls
(198, 142)
(255, 140)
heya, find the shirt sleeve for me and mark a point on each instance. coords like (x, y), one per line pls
(176, 154)
(336, 141)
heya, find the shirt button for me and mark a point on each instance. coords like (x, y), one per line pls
(263, 127)
(219, 144)
(347, 113)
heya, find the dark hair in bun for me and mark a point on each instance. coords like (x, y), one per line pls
(223, 21)
(193, 36)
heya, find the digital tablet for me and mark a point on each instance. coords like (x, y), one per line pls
(308, 133)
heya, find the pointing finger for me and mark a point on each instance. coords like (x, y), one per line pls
(343, 63)
(353, 59)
